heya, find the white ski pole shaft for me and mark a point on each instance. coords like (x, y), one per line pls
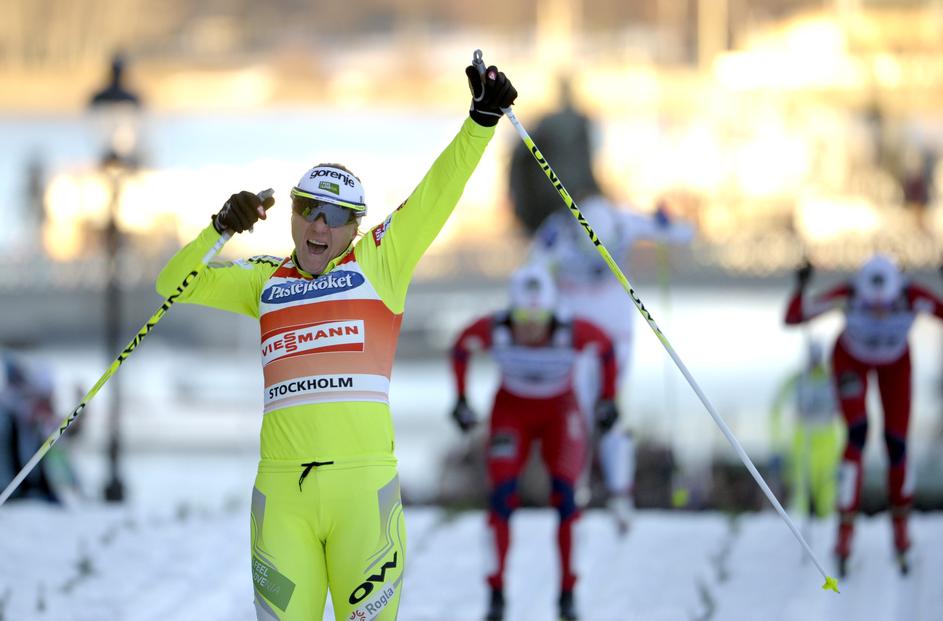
(830, 582)
(116, 364)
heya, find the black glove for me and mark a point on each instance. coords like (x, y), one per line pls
(804, 274)
(490, 92)
(606, 414)
(241, 211)
(464, 416)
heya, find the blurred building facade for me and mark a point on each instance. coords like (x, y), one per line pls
(785, 128)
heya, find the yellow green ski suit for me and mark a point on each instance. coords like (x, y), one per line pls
(815, 446)
(326, 510)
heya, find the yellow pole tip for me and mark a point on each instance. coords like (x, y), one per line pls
(831, 584)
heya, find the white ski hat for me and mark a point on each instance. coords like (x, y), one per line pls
(532, 288)
(879, 281)
(331, 184)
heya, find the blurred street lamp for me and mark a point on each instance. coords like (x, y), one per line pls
(115, 111)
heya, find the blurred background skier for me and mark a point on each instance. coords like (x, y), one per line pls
(880, 306)
(535, 348)
(806, 435)
(592, 293)
(567, 137)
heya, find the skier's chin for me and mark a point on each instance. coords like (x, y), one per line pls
(313, 262)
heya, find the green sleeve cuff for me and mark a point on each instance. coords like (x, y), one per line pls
(476, 130)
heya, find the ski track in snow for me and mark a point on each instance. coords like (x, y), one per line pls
(187, 563)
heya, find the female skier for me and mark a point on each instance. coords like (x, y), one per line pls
(326, 510)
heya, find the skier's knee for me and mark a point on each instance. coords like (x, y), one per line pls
(563, 497)
(896, 448)
(503, 499)
(858, 433)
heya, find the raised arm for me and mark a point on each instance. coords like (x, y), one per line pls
(801, 309)
(394, 247)
(391, 250)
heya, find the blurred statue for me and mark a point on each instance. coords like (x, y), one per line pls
(564, 137)
(812, 450)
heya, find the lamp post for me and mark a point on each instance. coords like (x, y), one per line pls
(115, 110)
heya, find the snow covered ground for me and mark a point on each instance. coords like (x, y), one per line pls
(189, 562)
(178, 551)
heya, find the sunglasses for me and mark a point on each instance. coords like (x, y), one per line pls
(334, 215)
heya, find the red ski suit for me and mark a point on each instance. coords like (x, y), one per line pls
(534, 402)
(873, 339)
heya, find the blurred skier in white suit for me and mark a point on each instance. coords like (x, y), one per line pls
(590, 291)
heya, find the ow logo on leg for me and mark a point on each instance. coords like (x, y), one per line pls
(366, 588)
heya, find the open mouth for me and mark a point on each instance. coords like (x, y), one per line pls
(316, 247)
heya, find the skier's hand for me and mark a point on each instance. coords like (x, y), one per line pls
(804, 274)
(241, 211)
(463, 415)
(490, 92)
(606, 414)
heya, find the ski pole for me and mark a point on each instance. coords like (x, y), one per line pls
(830, 582)
(125, 353)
